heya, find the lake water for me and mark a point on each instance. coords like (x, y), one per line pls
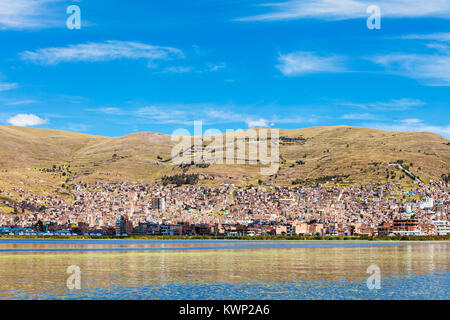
(223, 269)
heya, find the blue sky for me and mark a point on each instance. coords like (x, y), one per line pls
(233, 64)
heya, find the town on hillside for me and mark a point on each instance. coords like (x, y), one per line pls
(228, 210)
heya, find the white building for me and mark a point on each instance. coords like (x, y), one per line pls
(427, 204)
(442, 227)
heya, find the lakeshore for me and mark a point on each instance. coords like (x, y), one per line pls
(237, 238)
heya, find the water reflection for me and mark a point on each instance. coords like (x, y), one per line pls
(190, 271)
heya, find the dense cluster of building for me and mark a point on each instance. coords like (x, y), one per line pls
(122, 208)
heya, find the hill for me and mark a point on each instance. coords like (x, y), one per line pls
(42, 159)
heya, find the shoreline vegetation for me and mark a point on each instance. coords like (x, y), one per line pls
(255, 238)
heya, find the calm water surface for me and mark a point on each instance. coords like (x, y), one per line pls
(217, 269)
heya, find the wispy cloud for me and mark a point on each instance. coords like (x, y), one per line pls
(109, 110)
(213, 67)
(429, 69)
(294, 119)
(411, 121)
(101, 51)
(188, 113)
(177, 69)
(416, 125)
(21, 102)
(78, 127)
(224, 114)
(301, 63)
(394, 104)
(432, 70)
(257, 123)
(350, 9)
(209, 113)
(210, 67)
(216, 114)
(440, 36)
(165, 114)
(27, 14)
(26, 120)
(360, 116)
(5, 86)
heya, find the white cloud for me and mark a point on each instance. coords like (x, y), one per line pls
(26, 14)
(101, 51)
(394, 104)
(5, 86)
(299, 63)
(26, 120)
(351, 9)
(257, 123)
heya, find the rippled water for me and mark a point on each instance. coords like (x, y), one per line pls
(110, 269)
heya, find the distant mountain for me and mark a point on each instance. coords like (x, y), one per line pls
(42, 159)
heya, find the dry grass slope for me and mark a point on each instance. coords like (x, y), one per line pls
(344, 154)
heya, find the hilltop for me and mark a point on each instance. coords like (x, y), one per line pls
(42, 159)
